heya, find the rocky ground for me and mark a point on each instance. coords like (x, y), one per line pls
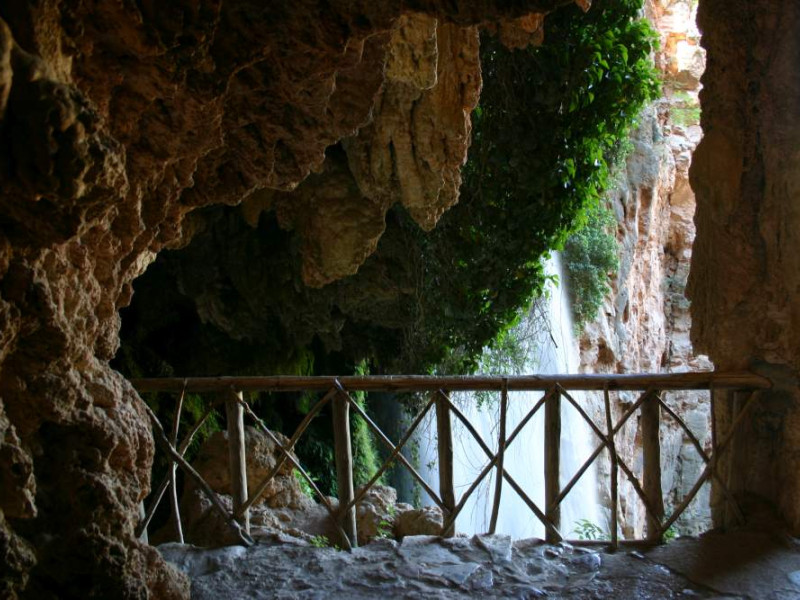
(292, 560)
(752, 564)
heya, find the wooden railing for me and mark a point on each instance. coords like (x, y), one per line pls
(555, 390)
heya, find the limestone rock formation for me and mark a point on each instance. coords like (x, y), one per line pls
(492, 567)
(212, 463)
(745, 279)
(375, 514)
(379, 515)
(203, 525)
(411, 152)
(419, 521)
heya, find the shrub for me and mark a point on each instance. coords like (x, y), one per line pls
(586, 530)
(590, 258)
(551, 121)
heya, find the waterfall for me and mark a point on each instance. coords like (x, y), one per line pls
(550, 349)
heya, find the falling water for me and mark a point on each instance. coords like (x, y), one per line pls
(552, 349)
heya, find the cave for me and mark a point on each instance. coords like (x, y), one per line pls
(136, 136)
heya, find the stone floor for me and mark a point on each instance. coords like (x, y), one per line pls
(749, 565)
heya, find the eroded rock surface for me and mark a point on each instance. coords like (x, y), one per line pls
(745, 280)
(213, 465)
(411, 152)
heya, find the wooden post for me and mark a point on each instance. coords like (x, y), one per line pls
(734, 474)
(552, 464)
(501, 451)
(651, 477)
(237, 456)
(444, 435)
(174, 503)
(612, 451)
(173, 471)
(344, 466)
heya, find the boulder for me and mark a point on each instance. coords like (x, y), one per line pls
(419, 521)
(375, 514)
(262, 455)
(379, 515)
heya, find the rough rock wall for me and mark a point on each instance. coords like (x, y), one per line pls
(411, 152)
(644, 324)
(116, 120)
(745, 279)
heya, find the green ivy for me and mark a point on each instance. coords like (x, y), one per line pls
(305, 486)
(550, 122)
(365, 454)
(590, 257)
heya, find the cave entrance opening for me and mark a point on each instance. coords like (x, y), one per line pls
(218, 313)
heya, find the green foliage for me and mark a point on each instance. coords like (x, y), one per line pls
(315, 448)
(365, 453)
(548, 121)
(586, 530)
(315, 451)
(384, 530)
(305, 487)
(510, 353)
(386, 526)
(686, 115)
(416, 499)
(320, 541)
(670, 534)
(590, 256)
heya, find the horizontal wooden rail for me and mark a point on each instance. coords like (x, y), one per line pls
(739, 380)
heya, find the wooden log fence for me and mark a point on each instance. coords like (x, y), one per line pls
(613, 525)
(173, 471)
(556, 397)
